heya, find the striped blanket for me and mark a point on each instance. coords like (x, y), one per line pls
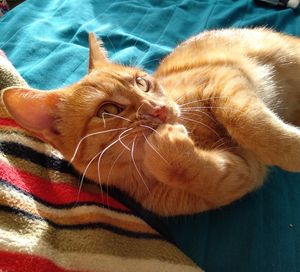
(46, 224)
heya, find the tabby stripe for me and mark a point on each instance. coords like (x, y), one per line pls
(76, 216)
(57, 193)
(18, 262)
(41, 239)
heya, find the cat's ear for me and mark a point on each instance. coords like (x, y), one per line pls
(34, 110)
(97, 55)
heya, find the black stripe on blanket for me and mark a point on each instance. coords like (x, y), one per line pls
(27, 153)
(63, 166)
(104, 226)
(59, 206)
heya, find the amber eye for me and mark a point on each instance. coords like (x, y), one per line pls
(143, 84)
(108, 110)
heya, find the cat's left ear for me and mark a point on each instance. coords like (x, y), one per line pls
(36, 111)
(97, 55)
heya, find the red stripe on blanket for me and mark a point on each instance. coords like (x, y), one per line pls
(17, 262)
(53, 192)
(8, 122)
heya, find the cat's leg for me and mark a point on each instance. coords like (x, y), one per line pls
(217, 177)
(255, 127)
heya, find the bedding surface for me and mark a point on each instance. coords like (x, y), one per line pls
(47, 42)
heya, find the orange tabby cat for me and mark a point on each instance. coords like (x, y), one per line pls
(196, 135)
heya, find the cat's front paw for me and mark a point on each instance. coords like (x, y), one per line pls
(169, 136)
(167, 152)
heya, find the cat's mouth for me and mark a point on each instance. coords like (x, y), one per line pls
(160, 115)
(149, 126)
(149, 119)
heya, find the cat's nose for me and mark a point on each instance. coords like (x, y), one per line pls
(161, 113)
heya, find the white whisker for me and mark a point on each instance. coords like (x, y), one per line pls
(219, 145)
(106, 148)
(104, 121)
(121, 136)
(200, 84)
(117, 116)
(84, 173)
(99, 159)
(182, 96)
(195, 114)
(109, 173)
(229, 148)
(115, 161)
(212, 107)
(137, 112)
(206, 99)
(154, 149)
(134, 163)
(154, 130)
(92, 134)
(188, 119)
(222, 140)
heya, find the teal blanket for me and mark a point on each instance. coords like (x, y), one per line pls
(47, 42)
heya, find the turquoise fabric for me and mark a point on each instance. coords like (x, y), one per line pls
(47, 42)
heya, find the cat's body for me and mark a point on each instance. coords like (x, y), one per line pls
(270, 61)
(122, 127)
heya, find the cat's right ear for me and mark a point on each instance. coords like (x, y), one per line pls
(36, 111)
(97, 55)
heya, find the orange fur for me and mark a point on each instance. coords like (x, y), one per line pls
(198, 139)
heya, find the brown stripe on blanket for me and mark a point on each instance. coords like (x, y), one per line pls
(81, 215)
(17, 131)
(89, 241)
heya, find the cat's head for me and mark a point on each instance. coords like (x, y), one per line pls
(100, 121)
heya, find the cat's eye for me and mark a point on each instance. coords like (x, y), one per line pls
(109, 110)
(143, 84)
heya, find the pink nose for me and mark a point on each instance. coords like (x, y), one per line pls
(161, 113)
